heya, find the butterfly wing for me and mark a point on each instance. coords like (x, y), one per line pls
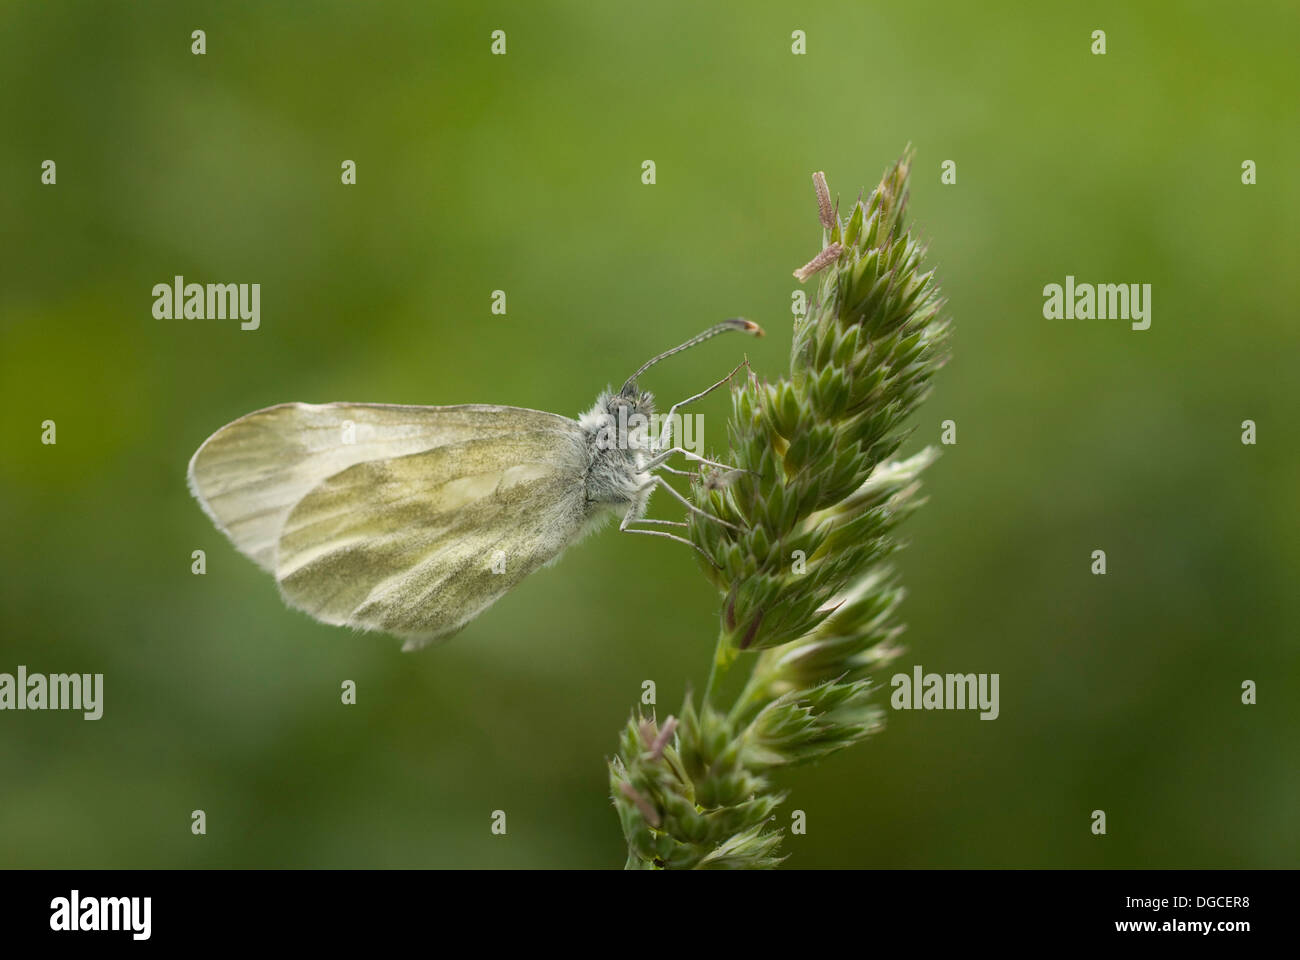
(410, 520)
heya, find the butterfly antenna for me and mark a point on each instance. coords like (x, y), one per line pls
(733, 323)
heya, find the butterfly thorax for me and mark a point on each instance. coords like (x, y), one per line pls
(619, 435)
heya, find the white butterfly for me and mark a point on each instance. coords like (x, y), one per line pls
(414, 520)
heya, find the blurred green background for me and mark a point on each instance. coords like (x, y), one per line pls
(522, 173)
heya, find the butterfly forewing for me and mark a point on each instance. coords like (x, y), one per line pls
(406, 519)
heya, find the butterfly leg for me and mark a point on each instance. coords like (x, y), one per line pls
(664, 484)
(630, 517)
(657, 461)
(666, 435)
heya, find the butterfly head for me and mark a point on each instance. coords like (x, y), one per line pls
(621, 420)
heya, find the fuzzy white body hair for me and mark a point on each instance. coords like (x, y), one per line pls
(616, 432)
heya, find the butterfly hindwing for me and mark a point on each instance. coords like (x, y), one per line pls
(417, 546)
